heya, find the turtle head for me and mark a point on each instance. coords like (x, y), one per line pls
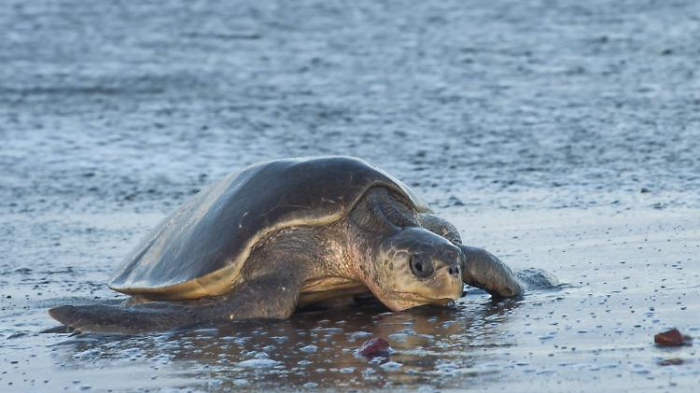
(414, 266)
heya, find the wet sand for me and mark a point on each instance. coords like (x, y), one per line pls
(625, 276)
(558, 136)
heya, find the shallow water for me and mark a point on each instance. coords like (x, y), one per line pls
(559, 136)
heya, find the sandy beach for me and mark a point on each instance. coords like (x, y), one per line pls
(560, 136)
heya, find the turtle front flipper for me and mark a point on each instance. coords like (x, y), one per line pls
(266, 297)
(484, 270)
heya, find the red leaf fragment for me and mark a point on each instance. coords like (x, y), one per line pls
(374, 347)
(672, 338)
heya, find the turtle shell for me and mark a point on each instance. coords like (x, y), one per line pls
(200, 248)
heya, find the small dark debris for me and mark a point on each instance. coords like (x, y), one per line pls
(672, 338)
(375, 347)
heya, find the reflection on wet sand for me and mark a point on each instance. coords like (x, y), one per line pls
(429, 345)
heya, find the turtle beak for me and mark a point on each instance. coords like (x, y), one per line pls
(450, 264)
(451, 275)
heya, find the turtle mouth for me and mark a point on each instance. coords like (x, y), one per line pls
(410, 300)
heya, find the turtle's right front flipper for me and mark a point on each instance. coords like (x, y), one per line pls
(266, 297)
(484, 270)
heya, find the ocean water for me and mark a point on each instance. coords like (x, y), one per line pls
(563, 136)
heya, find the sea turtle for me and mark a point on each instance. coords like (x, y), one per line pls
(278, 235)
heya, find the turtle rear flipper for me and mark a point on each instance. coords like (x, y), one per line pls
(122, 319)
(272, 296)
(58, 329)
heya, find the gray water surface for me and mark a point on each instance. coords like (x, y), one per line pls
(558, 135)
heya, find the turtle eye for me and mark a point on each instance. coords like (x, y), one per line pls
(421, 267)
